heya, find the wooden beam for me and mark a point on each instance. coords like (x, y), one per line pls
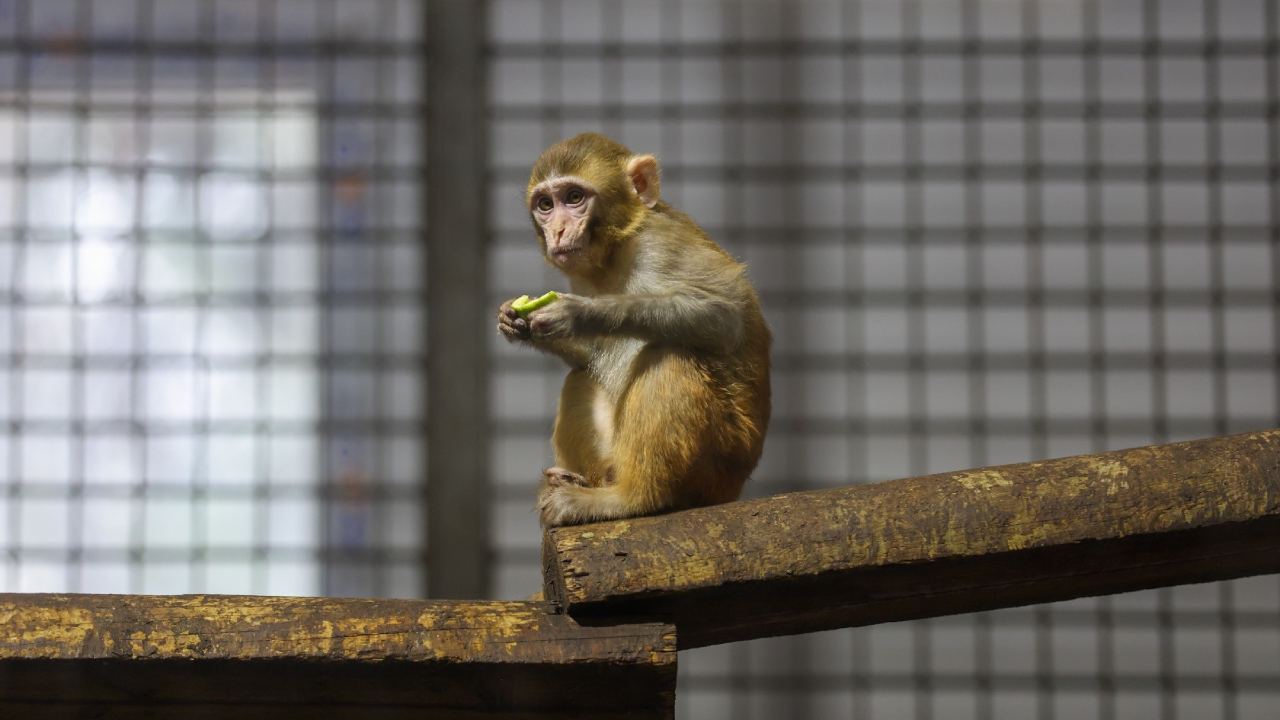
(274, 657)
(938, 545)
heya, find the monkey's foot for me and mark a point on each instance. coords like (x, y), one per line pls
(563, 503)
(558, 477)
(560, 488)
(555, 503)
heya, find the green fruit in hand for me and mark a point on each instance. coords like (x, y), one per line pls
(524, 305)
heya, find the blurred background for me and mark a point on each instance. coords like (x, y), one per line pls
(985, 231)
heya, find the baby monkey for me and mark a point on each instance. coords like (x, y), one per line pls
(667, 398)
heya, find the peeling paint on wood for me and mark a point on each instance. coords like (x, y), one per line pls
(120, 655)
(936, 545)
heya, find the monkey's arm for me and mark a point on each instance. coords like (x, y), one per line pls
(576, 352)
(682, 316)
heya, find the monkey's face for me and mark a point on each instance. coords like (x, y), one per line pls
(562, 208)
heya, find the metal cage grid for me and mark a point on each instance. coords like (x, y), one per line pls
(984, 231)
(210, 247)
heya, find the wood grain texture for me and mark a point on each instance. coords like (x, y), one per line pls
(228, 656)
(936, 545)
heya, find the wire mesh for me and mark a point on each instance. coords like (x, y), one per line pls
(209, 252)
(984, 231)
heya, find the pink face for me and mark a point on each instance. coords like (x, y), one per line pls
(562, 208)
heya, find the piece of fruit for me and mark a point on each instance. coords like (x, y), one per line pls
(524, 305)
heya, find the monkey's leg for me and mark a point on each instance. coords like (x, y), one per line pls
(580, 437)
(661, 453)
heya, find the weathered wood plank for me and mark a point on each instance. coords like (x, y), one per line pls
(205, 656)
(937, 545)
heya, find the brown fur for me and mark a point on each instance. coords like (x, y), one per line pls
(667, 401)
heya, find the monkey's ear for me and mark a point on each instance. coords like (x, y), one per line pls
(643, 173)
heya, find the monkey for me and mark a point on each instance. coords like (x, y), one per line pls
(666, 400)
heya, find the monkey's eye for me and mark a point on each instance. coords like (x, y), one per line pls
(575, 196)
(545, 204)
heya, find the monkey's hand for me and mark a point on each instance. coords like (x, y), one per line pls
(512, 326)
(517, 328)
(563, 318)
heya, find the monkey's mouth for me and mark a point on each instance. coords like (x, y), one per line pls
(564, 255)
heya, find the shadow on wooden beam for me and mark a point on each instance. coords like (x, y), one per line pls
(269, 657)
(938, 545)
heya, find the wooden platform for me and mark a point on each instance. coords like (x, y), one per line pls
(605, 646)
(938, 545)
(119, 656)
